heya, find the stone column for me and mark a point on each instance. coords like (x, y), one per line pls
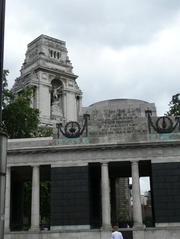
(105, 196)
(3, 161)
(137, 210)
(8, 200)
(64, 101)
(35, 201)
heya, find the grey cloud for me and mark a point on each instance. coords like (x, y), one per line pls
(119, 23)
(115, 23)
(93, 25)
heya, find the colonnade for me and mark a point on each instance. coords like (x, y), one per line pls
(35, 199)
(105, 197)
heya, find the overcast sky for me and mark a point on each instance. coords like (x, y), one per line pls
(119, 48)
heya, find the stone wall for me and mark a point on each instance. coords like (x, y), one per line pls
(166, 195)
(119, 119)
(70, 196)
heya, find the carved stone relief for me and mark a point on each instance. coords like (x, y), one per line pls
(57, 99)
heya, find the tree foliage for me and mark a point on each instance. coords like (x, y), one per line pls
(174, 106)
(45, 202)
(20, 119)
(6, 92)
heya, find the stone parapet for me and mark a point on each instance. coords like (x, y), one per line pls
(119, 119)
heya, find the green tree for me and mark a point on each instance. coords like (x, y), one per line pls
(45, 202)
(174, 106)
(6, 92)
(20, 119)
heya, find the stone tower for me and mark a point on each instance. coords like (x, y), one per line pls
(49, 71)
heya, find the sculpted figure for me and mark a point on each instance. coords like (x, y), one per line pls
(56, 107)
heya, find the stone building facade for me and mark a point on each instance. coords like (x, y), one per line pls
(81, 174)
(49, 71)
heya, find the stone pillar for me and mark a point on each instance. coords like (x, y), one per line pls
(137, 210)
(105, 196)
(35, 201)
(3, 160)
(8, 199)
(64, 101)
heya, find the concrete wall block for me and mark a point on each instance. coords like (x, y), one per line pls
(166, 182)
(70, 196)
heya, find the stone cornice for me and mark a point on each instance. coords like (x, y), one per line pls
(42, 36)
(86, 147)
(53, 71)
